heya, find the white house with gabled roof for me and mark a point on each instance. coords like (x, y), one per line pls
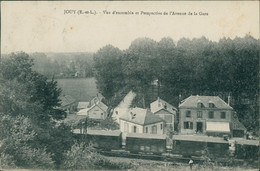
(124, 106)
(165, 111)
(97, 111)
(138, 120)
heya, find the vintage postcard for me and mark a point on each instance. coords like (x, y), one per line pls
(134, 85)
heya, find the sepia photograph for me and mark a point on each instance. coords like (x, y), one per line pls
(133, 85)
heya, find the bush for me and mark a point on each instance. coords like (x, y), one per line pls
(16, 149)
(82, 157)
(6, 162)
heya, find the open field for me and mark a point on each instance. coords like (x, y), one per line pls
(81, 89)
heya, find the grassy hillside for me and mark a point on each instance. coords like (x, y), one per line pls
(82, 89)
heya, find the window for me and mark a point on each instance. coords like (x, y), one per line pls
(161, 126)
(188, 114)
(188, 125)
(199, 114)
(211, 115)
(211, 105)
(223, 115)
(154, 129)
(146, 129)
(134, 129)
(200, 105)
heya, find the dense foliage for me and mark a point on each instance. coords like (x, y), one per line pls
(174, 71)
(31, 136)
(108, 70)
(33, 132)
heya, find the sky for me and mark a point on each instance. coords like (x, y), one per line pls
(43, 27)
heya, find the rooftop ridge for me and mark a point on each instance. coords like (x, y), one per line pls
(192, 101)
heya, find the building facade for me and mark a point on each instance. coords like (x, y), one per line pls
(205, 115)
(142, 121)
(97, 111)
(123, 107)
(165, 111)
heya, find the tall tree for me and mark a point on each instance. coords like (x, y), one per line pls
(108, 70)
(26, 94)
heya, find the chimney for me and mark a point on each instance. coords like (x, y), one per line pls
(229, 99)
(179, 98)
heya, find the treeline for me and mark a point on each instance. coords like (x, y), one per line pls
(63, 65)
(174, 71)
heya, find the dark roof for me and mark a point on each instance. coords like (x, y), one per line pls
(141, 116)
(236, 124)
(150, 118)
(192, 102)
(148, 136)
(66, 100)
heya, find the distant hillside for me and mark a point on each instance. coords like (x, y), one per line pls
(62, 65)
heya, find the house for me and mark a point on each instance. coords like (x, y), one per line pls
(82, 105)
(124, 106)
(206, 115)
(165, 111)
(68, 104)
(98, 97)
(138, 120)
(97, 111)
